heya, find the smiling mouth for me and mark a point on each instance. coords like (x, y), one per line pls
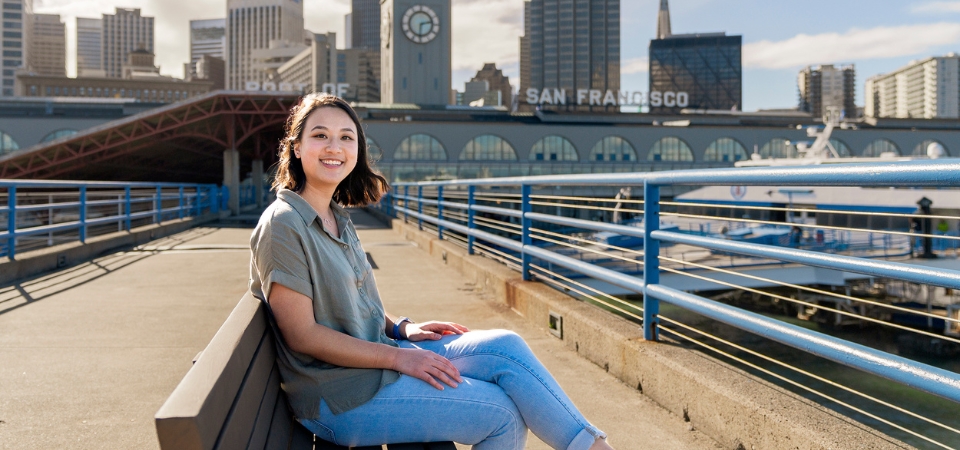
(331, 162)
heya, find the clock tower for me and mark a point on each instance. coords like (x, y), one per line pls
(415, 42)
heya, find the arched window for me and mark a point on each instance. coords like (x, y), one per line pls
(921, 148)
(488, 148)
(841, 147)
(613, 148)
(778, 148)
(725, 149)
(7, 144)
(881, 146)
(420, 147)
(553, 148)
(670, 148)
(58, 134)
(374, 152)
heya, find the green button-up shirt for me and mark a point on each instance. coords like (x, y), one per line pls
(290, 247)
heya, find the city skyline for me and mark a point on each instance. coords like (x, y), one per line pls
(778, 41)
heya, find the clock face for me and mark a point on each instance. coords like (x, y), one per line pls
(420, 24)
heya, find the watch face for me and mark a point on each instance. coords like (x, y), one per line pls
(420, 24)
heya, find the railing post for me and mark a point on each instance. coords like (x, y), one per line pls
(12, 221)
(525, 230)
(83, 214)
(212, 198)
(406, 202)
(225, 197)
(159, 208)
(180, 208)
(651, 259)
(126, 206)
(439, 211)
(420, 207)
(197, 203)
(471, 191)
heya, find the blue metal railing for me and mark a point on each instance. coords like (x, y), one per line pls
(43, 213)
(454, 208)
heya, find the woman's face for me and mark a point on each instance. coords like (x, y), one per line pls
(328, 147)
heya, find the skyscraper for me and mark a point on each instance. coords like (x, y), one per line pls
(573, 45)
(825, 87)
(15, 29)
(48, 45)
(123, 33)
(207, 37)
(699, 71)
(365, 24)
(415, 52)
(251, 25)
(89, 47)
(924, 89)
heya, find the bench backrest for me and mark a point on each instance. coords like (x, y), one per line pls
(231, 398)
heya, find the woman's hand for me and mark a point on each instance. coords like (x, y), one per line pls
(427, 366)
(432, 330)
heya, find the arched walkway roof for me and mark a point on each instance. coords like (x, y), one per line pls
(179, 142)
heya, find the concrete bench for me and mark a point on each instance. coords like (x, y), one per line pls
(231, 397)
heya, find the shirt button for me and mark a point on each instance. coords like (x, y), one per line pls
(359, 284)
(356, 270)
(344, 246)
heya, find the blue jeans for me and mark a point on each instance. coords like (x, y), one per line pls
(505, 389)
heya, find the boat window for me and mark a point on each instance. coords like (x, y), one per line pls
(881, 146)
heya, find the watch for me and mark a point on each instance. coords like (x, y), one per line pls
(420, 24)
(396, 328)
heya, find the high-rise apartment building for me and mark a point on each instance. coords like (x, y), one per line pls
(90, 47)
(48, 45)
(924, 89)
(415, 52)
(252, 25)
(573, 45)
(124, 32)
(365, 24)
(15, 29)
(207, 37)
(826, 87)
(699, 71)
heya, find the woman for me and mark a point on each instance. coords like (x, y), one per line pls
(354, 374)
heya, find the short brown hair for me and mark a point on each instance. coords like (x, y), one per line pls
(363, 185)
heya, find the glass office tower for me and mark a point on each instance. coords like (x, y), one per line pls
(705, 66)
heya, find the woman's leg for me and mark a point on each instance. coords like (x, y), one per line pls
(476, 413)
(502, 357)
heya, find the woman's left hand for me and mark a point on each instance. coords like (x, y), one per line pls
(431, 331)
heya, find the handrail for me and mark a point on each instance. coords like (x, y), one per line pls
(407, 201)
(87, 205)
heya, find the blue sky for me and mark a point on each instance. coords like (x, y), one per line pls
(779, 37)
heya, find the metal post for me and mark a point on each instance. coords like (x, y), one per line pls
(12, 221)
(406, 202)
(126, 206)
(197, 203)
(439, 211)
(420, 207)
(180, 208)
(525, 230)
(159, 208)
(83, 214)
(225, 197)
(651, 259)
(212, 198)
(470, 202)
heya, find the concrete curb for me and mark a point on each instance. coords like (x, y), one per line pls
(48, 259)
(729, 405)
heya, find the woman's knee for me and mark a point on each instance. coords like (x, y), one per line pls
(505, 339)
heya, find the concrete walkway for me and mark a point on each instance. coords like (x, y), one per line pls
(88, 354)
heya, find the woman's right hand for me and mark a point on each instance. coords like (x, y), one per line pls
(427, 366)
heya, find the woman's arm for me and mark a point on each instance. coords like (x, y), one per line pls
(293, 312)
(432, 330)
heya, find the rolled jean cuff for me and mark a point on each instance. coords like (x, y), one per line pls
(585, 438)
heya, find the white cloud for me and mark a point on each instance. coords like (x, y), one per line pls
(937, 7)
(856, 44)
(487, 31)
(634, 65)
